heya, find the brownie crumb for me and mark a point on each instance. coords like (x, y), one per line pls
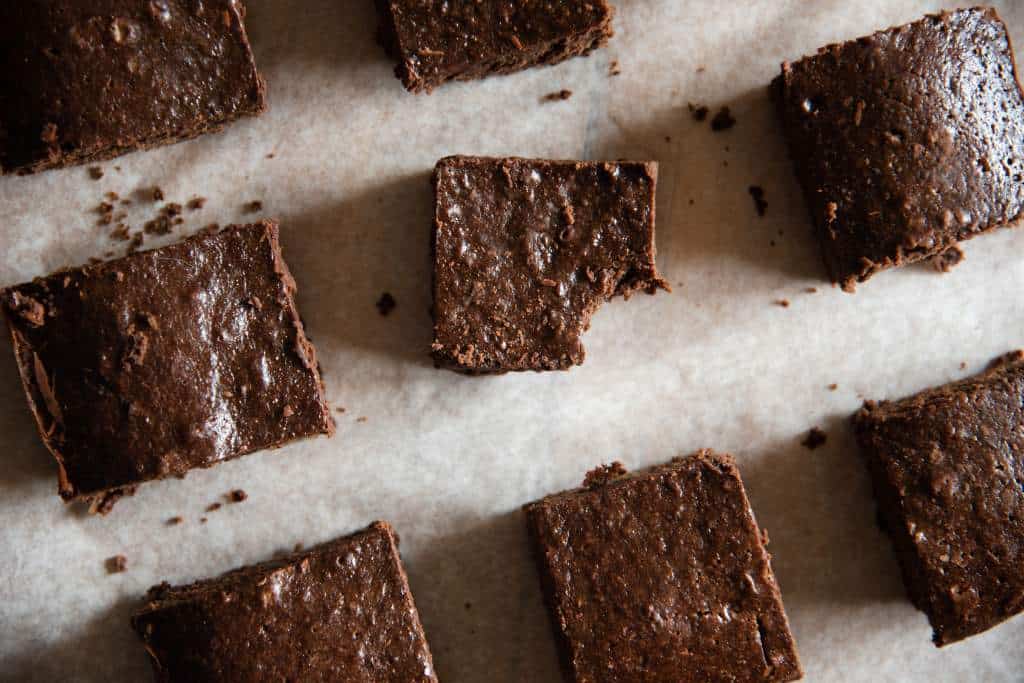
(112, 196)
(948, 260)
(340, 410)
(723, 120)
(698, 111)
(555, 96)
(161, 225)
(158, 194)
(782, 302)
(598, 477)
(297, 548)
(237, 496)
(362, 419)
(811, 290)
(105, 208)
(833, 386)
(202, 520)
(209, 229)
(213, 507)
(386, 303)
(176, 520)
(95, 172)
(135, 243)
(814, 439)
(270, 156)
(757, 193)
(963, 366)
(196, 203)
(120, 233)
(614, 69)
(116, 564)
(254, 206)
(172, 209)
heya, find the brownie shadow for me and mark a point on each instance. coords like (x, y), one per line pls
(24, 458)
(705, 210)
(102, 650)
(819, 511)
(346, 255)
(479, 597)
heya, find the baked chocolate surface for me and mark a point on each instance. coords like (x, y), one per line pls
(436, 41)
(661, 576)
(906, 141)
(948, 475)
(87, 80)
(167, 360)
(341, 611)
(526, 250)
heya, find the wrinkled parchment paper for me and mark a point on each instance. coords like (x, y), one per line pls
(450, 459)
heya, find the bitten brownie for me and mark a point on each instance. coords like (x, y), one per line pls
(341, 611)
(661, 575)
(167, 360)
(87, 80)
(906, 141)
(948, 475)
(526, 250)
(436, 41)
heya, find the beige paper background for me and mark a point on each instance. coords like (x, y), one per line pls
(450, 459)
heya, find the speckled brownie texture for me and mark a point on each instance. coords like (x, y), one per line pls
(661, 576)
(948, 475)
(526, 250)
(341, 611)
(906, 141)
(436, 41)
(87, 80)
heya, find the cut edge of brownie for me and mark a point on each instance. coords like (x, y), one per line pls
(904, 256)
(548, 54)
(888, 499)
(643, 277)
(42, 402)
(616, 474)
(66, 158)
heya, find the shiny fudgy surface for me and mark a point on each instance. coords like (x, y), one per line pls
(661, 577)
(526, 250)
(906, 141)
(85, 80)
(439, 40)
(948, 474)
(341, 611)
(166, 360)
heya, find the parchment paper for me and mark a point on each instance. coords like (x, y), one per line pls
(449, 459)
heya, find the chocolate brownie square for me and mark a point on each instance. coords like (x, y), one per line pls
(436, 41)
(661, 575)
(906, 141)
(947, 467)
(166, 360)
(526, 250)
(87, 80)
(341, 611)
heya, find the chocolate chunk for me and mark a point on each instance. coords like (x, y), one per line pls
(237, 496)
(814, 439)
(196, 203)
(906, 141)
(555, 96)
(254, 207)
(723, 120)
(437, 41)
(948, 260)
(698, 112)
(158, 194)
(95, 172)
(116, 564)
(386, 303)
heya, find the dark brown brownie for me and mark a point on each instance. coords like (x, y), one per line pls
(906, 141)
(165, 361)
(661, 575)
(526, 250)
(341, 611)
(948, 475)
(436, 41)
(86, 80)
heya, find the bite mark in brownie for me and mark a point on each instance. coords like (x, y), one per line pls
(436, 41)
(906, 141)
(341, 611)
(661, 575)
(82, 81)
(526, 250)
(152, 365)
(948, 474)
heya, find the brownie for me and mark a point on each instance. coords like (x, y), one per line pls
(906, 141)
(167, 360)
(947, 466)
(436, 41)
(661, 576)
(526, 250)
(87, 80)
(341, 611)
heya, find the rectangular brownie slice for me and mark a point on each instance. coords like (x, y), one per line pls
(436, 41)
(341, 611)
(906, 141)
(167, 360)
(525, 251)
(661, 575)
(87, 80)
(947, 467)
